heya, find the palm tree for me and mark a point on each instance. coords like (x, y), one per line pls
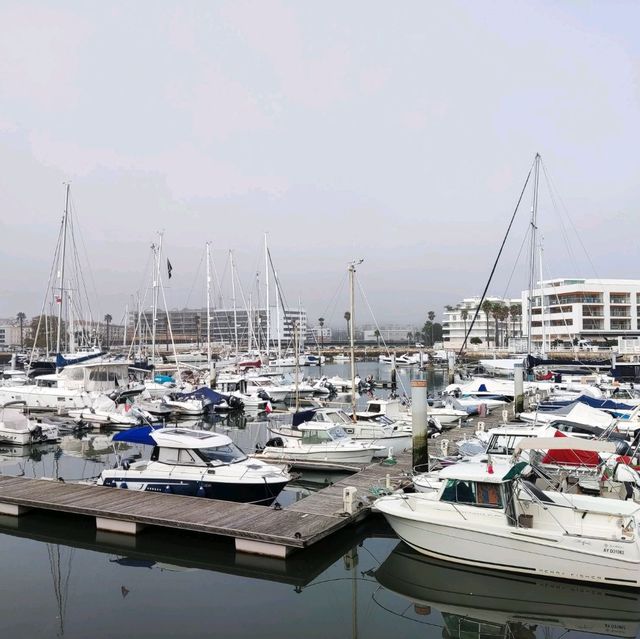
(21, 318)
(431, 315)
(321, 322)
(409, 336)
(496, 313)
(347, 317)
(465, 315)
(486, 308)
(515, 311)
(107, 319)
(377, 334)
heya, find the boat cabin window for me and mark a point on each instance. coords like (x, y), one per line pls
(315, 437)
(187, 456)
(165, 455)
(374, 408)
(470, 492)
(227, 454)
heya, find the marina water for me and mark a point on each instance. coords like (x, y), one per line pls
(62, 578)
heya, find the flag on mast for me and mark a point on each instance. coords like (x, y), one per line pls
(169, 268)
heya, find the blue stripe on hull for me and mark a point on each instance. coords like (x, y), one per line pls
(256, 493)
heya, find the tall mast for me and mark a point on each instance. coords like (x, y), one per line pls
(544, 330)
(235, 310)
(126, 324)
(209, 303)
(157, 252)
(266, 278)
(64, 250)
(532, 248)
(352, 273)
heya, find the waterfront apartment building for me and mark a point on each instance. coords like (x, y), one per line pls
(189, 326)
(458, 319)
(596, 309)
(10, 333)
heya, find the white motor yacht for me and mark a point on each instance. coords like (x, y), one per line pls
(320, 442)
(489, 516)
(196, 463)
(382, 432)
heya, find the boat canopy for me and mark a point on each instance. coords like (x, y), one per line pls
(140, 435)
(565, 443)
(62, 361)
(205, 393)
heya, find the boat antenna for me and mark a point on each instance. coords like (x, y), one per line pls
(495, 264)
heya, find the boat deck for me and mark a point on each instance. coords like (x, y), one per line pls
(256, 529)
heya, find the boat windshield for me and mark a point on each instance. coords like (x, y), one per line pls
(322, 436)
(227, 454)
(504, 444)
(333, 417)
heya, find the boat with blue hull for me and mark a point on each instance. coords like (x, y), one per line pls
(198, 464)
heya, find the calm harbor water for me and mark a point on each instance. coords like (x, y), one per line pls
(61, 578)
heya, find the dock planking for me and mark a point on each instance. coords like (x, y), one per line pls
(294, 527)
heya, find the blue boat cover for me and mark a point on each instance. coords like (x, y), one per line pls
(303, 416)
(163, 379)
(139, 435)
(604, 404)
(204, 393)
(61, 362)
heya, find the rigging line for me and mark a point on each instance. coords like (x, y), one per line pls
(575, 230)
(563, 229)
(524, 240)
(74, 224)
(333, 301)
(495, 264)
(399, 377)
(196, 278)
(56, 254)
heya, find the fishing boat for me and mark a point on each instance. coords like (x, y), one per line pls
(491, 517)
(320, 442)
(196, 463)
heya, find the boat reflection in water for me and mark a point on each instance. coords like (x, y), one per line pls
(477, 603)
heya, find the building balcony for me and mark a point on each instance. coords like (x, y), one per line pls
(622, 312)
(619, 299)
(621, 325)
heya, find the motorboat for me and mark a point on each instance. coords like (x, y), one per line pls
(320, 442)
(476, 603)
(385, 433)
(104, 411)
(70, 387)
(576, 412)
(395, 410)
(489, 516)
(196, 463)
(19, 429)
(236, 386)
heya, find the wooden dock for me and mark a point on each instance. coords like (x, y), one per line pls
(256, 529)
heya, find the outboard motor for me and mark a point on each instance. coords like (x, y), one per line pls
(262, 394)
(235, 403)
(275, 442)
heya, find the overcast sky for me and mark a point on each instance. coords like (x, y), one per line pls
(397, 132)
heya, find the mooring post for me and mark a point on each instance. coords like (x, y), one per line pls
(419, 423)
(518, 395)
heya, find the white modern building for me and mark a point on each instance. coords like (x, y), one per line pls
(567, 309)
(10, 333)
(458, 319)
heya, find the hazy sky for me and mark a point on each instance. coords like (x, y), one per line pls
(397, 132)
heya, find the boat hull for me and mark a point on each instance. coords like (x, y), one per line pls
(518, 550)
(260, 493)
